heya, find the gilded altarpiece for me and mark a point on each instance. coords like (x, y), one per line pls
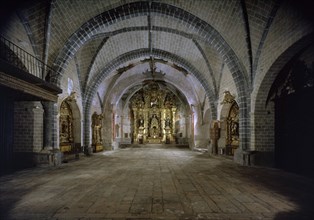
(153, 115)
(233, 127)
(97, 132)
(232, 123)
(66, 127)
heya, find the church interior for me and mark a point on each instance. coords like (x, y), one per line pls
(103, 86)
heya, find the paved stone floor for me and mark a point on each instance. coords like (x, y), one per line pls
(155, 183)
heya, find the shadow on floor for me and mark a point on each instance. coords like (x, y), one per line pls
(294, 188)
(10, 198)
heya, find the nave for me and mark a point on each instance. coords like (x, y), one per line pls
(155, 182)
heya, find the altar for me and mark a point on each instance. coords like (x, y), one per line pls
(153, 111)
(153, 140)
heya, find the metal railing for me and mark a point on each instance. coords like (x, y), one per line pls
(16, 56)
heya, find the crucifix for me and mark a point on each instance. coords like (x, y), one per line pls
(152, 67)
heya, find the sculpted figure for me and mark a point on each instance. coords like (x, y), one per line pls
(96, 128)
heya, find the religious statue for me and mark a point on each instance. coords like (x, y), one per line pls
(167, 122)
(153, 102)
(234, 128)
(154, 132)
(96, 129)
(169, 100)
(138, 101)
(66, 125)
(64, 134)
(154, 126)
(232, 138)
(141, 121)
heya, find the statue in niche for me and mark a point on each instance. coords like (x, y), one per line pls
(167, 122)
(153, 100)
(96, 129)
(154, 127)
(137, 101)
(154, 96)
(234, 128)
(65, 129)
(140, 104)
(169, 100)
(154, 132)
(232, 138)
(70, 130)
(141, 121)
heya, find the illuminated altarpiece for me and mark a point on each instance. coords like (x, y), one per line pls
(97, 132)
(153, 111)
(66, 126)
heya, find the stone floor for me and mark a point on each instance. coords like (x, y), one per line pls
(155, 183)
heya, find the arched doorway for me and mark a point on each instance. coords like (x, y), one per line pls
(293, 92)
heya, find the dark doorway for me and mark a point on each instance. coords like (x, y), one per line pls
(294, 118)
(6, 131)
(294, 129)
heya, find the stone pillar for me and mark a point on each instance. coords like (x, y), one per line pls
(86, 123)
(244, 131)
(50, 125)
(51, 131)
(214, 136)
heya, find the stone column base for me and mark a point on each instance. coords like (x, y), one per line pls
(47, 157)
(238, 156)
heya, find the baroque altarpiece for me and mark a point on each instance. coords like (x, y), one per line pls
(153, 111)
(232, 125)
(97, 132)
(66, 127)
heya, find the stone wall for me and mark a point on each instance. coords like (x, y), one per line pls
(28, 132)
(28, 127)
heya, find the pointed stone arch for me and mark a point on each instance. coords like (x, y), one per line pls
(263, 119)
